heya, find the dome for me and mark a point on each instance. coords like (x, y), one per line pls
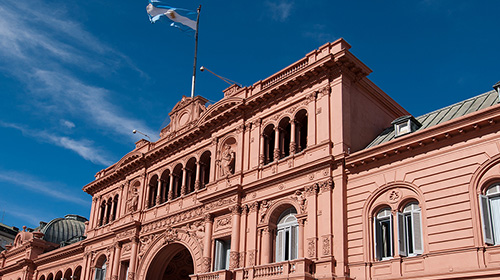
(65, 230)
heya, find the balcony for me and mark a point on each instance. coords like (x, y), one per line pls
(296, 269)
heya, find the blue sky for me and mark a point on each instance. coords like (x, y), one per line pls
(76, 77)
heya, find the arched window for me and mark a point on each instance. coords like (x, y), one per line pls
(284, 134)
(383, 234)
(153, 191)
(190, 175)
(269, 139)
(287, 231)
(301, 130)
(103, 213)
(100, 269)
(490, 214)
(204, 175)
(177, 173)
(115, 208)
(410, 241)
(165, 185)
(108, 210)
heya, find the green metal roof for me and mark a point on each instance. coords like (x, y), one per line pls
(442, 115)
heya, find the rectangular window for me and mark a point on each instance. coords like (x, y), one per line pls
(222, 249)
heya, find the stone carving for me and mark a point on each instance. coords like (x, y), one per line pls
(254, 206)
(311, 247)
(327, 185)
(326, 245)
(205, 266)
(171, 235)
(227, 159)
(394, 196)
(173, 219)
(235, 209)
(127, 247)
(219, 203)
(234, 258)
(312, 189)
(195, 230)
(301, 200)
(251, 258)
(125, 234)
(131, 276)
(145, 242)
(264, 206)
(133, 199)
(222, 223)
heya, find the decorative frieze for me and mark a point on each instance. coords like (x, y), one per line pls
(220, 203)
(221, 223)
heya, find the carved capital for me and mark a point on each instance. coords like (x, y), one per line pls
(131, 276)
(312, 189)
(244, 209)
(234, 258)
(254, 206)
(205, 266)
(235, 209)
(208, 218)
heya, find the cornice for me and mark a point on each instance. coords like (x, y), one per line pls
(430, 136)
(60, 253)
(329, 58)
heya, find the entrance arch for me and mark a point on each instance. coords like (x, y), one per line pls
(173, 262)
(167, 247)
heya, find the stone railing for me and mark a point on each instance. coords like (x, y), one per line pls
(216, 275)
(285, 73)
(281, 270)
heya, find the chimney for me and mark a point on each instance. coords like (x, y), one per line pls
(497, 88)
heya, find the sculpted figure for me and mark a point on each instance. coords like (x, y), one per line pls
(227, 160)
(133, 200)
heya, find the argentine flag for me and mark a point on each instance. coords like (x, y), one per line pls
(180, 18)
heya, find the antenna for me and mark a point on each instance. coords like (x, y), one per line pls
(137, 131)
(231, 82)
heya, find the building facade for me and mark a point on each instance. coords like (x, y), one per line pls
(312, 173)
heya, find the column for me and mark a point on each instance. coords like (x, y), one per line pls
(133, 258)
(243, 235)
(277, 152)
(158, 192)
(302, 238)
(266, 245)
(116, 260)
(197, 183)
(262, 144)
(293, 144)
(171, 187)
(234, 254)
(207, 243)
(183, 186)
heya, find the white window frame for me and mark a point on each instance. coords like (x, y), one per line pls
(222, 254)
(287, 226)
(100, 272)
(490, 215)
(410, 237)
(383, 216)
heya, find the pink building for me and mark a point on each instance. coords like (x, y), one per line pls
(312, 173)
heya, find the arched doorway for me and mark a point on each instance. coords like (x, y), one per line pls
(173, 262)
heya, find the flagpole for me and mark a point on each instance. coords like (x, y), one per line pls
(195, 52)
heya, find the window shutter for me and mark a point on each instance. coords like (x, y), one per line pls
(486, 219)
(98, 273)
(391, 238)
(280, 245)
(294, 246)
(377, 242)
(227, 250)
(418, 243)
(218, 255)
(401, 235)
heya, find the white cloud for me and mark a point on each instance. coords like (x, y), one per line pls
(280, 11)
(74, 97)
(51, 189)
(84, 147)
(67, 124)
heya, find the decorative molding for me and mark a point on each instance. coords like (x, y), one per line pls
(326, 245)
(301, 200)
(220, 203)
(234, 258)
(311, 247)
(223, 222)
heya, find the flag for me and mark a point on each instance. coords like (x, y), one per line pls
(180, 18)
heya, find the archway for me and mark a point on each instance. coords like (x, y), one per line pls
(173, 262)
